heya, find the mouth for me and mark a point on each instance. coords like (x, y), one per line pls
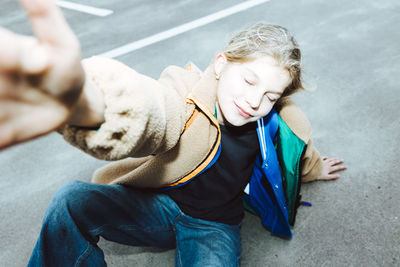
(243, 113)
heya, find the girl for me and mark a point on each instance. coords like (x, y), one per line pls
(184, 147)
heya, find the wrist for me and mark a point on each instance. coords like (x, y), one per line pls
(89, 110)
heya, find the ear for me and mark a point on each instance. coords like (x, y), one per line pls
(219, 63)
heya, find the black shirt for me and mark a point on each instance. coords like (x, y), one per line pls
(216, 194)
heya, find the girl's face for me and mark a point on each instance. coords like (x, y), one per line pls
(247, 91)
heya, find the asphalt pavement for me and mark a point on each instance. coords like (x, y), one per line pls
(351, 57)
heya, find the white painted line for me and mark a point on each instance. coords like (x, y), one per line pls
(86, 9)
(181, 29)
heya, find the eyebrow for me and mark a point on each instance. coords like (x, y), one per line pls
(252, 73)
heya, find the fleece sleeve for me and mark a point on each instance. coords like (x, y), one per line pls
(300, 125)
(143, 116)
(311, 164)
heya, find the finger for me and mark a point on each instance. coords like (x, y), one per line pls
(6, 92)
(48, 22)
(23, 53)
(7, 137)
(28, 122)
(333, 177)
(330, 177)
(34, 57)
(336, 161)
(337, 168)
(9, 58)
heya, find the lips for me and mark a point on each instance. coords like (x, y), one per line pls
(243, 113)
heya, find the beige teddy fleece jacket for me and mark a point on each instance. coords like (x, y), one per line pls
(146, 131)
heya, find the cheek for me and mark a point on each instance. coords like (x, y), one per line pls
(265, 108)
(226, 93)
(232, 86)
(223, 98)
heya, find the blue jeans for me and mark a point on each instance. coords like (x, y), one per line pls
(82, 212)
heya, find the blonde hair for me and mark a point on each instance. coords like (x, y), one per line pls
(268, 40)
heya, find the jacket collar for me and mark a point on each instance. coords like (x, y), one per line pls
(206, 88)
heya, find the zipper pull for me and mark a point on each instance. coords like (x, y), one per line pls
(305, 203)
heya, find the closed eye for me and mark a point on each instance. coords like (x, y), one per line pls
(249, 82)
(272, 97)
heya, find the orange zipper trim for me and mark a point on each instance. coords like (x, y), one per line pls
(192, 99)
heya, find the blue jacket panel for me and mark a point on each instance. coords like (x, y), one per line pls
(266, 192)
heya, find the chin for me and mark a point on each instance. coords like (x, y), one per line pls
(236, 122)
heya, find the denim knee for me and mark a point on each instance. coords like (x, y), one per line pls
(70, 189)
(64, 239)
(68, 199)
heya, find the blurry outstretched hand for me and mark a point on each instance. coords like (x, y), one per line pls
(41, 78)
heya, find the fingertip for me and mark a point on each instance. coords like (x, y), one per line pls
(48, 22)
(7, 137)
(36, 7)
(37, 61)
(8, 50)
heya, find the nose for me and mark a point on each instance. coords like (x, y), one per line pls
(254, 98)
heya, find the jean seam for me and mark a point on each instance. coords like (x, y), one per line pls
(84, 255)
(100, 229)
(177, 218)
(205, 224)
(178, 256)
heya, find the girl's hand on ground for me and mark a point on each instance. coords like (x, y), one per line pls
(41, 78)
(330, 167)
